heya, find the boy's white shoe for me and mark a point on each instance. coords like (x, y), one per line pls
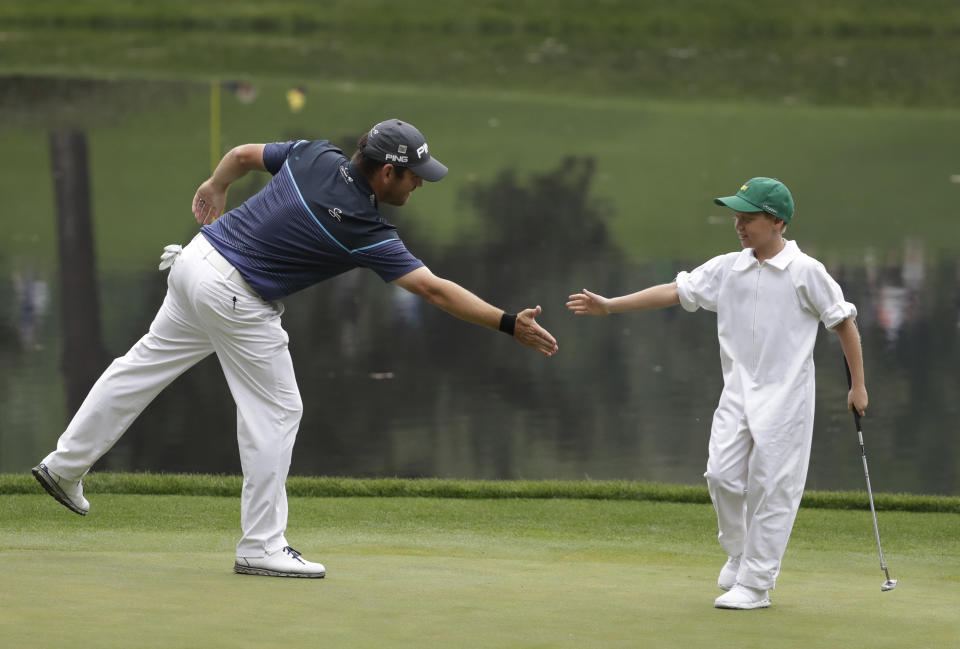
(743, 598)
(68, 493)
(285, 562)
(728, 574)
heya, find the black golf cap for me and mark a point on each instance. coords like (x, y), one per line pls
(401, 144)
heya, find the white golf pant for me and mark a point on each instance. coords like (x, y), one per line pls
(756, 481)
(205, 311)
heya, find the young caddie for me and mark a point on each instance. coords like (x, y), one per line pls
(769, 298)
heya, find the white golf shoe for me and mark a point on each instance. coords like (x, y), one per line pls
(728, 574)
(68, 493)
(285, 562)
(743, 598)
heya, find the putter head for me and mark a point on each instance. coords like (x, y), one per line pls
(889, 584)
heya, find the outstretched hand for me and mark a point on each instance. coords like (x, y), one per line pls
(529, 333)
(208, 203)
(588, 303)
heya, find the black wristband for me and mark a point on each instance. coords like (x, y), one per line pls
(508, 322)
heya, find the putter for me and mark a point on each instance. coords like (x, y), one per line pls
(889, 584)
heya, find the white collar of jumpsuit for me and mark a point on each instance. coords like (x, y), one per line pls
(783, 258)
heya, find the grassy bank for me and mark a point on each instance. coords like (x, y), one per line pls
(851, 52)
(334, 487)
(155, 571)
(650, 148)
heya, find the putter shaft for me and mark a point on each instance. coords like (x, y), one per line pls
(889, 584)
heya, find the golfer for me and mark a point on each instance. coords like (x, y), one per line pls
(769, 298)
(316, 218)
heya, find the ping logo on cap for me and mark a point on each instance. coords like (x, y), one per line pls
(394, 141)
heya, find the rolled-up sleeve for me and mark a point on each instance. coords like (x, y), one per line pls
(820, 294)
(837, 314)
(686, 292)
(700, 288)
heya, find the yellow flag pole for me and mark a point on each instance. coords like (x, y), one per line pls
(214, 124)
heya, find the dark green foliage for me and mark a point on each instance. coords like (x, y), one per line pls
(334, 487)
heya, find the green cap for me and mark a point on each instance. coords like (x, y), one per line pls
(761, 195)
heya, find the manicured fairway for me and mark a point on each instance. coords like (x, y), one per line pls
(155, 571)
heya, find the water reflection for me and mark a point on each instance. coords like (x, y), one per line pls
(83, 354)
(32, 295)
(896, 287)
(393, 387)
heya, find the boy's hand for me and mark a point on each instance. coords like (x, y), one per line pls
(588, 303)
(857, 398)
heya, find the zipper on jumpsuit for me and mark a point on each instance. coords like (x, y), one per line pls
(753, 330)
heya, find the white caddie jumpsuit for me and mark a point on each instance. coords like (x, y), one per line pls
(767, 318)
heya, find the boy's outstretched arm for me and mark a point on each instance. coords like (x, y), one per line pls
(655, 297)
(850, 341)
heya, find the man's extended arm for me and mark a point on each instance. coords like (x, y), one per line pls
(459, 302)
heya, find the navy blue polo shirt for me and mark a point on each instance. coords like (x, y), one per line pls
(316, 218)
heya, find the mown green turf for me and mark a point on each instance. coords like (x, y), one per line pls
(154, 571)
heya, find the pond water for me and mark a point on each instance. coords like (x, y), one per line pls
(393, 387)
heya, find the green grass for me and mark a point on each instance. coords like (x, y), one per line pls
(667, 132)
(673, 100)
(859, 52)
(155, 571)
(658, 166)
